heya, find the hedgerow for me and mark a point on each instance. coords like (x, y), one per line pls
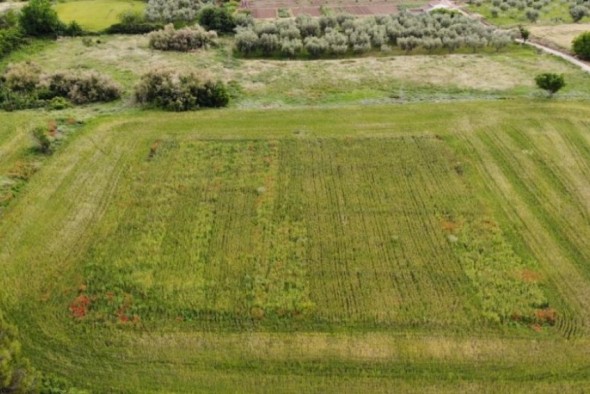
(173, 10)
(185, 39)
(338, 35)
(170, 90)
(24, 85)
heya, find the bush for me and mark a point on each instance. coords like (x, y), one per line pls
(22, 77)
(581, 45)
(172, 10)
(42, 139)
(10, 39)
(179, 92)
(134, 28)
(578, 12)
(38, 19)
(185, 39)
(88, 87)
(217, 18)
(550, 82)
(532, 14)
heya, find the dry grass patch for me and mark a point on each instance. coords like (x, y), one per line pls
(560, 35)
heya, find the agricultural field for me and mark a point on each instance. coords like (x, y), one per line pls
(386, 204)
(268, 9)
(439, 246)
(560, 36)
(96, 15)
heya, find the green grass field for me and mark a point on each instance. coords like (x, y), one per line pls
(424, 247)
(96, 15)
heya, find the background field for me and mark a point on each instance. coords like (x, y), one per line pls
(363, 248)
(380, 78)
(560, 35)
(96, 15)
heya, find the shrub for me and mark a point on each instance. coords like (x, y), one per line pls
(550, 82)
(581, 45)
(246, 42)
(172, 10)
(169, 90)
(315, 46)
(140, 28)
(37, 18)
(22, 77)
(216, 18)
(10, 39)
(577, 12)
(532, 14)
(8, 19)
(185, 39)
(88, 87)
(42, 139)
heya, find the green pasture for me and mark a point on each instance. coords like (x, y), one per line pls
(423, 247)
(96, 15)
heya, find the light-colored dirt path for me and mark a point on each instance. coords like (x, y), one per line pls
(584, 66)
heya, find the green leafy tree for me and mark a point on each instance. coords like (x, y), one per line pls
(38, 19)
(550, 82)
(581, 45)
(524, 33)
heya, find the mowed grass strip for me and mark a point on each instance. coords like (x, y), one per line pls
(96, 15)
(231, 243)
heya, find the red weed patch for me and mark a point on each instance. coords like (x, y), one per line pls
(79, 307)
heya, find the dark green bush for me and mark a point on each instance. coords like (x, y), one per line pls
(10, 39)
(219, 19)
(581, 45)
(550, 82)
(171, 91)
(134, 28)
(39, 19)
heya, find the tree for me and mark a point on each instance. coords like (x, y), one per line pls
(38, 19)
(524, 33)
(577, 12)
(217, 18)
(16, 375)
(532, 14)
(550, 82)
(581, 45)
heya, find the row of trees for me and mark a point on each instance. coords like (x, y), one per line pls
(532, 9)
(339, 35)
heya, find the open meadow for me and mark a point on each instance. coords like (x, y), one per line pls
(365, 247)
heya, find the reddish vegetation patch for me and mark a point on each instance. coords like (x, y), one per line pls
(79, 307)
(264, 13)
(449, 225)
(546, 316)
(537, 327)
(530, 276)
